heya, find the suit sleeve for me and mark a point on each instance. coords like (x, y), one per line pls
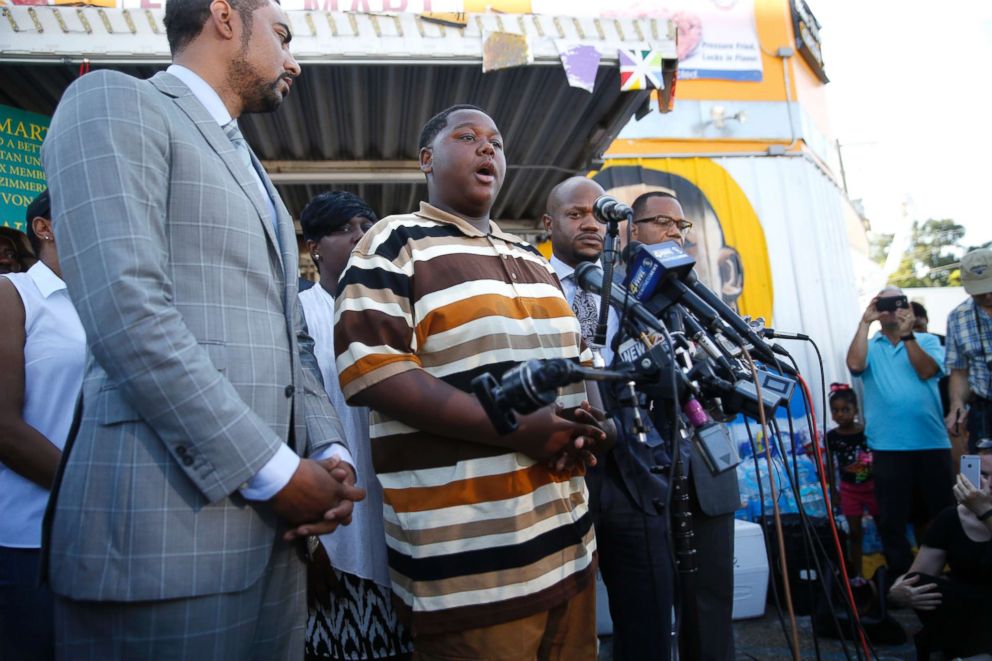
(323, 423)
(107, 158)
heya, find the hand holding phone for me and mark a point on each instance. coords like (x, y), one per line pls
(971, 468)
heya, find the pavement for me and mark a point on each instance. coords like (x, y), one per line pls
(763, 639)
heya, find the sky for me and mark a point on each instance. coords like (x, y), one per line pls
(911, 103)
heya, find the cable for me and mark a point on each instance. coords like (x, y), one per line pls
(830, 516)
(764, 526)
(811, 541)
(783, 564)
(805, 527)
(856, 618)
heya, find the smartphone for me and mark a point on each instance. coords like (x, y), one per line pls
(971, 468)
(891, 303)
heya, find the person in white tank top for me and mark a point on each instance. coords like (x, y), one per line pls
(43, 353)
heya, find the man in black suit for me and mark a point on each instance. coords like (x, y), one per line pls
(627, 500)
(713, 499)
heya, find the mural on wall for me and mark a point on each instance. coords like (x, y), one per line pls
(726, 239)
(717, 264)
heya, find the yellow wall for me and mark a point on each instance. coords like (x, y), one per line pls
(741, 226)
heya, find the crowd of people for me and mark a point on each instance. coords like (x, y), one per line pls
(199, 459)
(895, 462)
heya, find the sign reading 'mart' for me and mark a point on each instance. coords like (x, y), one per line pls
(21, 174)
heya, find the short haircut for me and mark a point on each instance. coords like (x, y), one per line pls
(642, 200)
(841, 392)
(40, 207)
(184, 19)
(437, 123)
(919, 311)
(553, 197)
(329, 211)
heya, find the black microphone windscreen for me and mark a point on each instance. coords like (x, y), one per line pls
(589, 277)
(630, 250)
(608, 209)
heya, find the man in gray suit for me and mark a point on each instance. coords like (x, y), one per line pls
(175, 528)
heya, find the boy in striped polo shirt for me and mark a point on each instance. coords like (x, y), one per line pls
(491, 548)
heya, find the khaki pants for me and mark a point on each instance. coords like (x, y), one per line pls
(566, 632)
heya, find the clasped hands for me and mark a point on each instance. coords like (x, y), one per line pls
(565, 438)
(318, 498)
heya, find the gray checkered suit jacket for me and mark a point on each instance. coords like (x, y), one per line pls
(199, 359)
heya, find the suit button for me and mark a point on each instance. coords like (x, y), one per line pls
(290, 390)
(181, 450)
(187, 460)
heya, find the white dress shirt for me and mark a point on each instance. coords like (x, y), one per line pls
(54, 361)
(566, 274)
(275, 474)
(360, 548)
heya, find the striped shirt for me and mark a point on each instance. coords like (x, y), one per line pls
(969, 345)
(477, 534)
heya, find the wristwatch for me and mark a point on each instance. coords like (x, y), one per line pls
(907, 338)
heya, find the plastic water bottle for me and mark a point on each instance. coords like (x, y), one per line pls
(812, 500)
(871, 542)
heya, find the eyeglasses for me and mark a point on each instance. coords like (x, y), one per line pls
(666, 222)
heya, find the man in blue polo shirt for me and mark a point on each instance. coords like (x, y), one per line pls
(903, 422)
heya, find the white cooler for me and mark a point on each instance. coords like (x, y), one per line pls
(750, 570)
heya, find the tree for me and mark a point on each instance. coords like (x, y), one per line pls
(932, 257)
(878, 247)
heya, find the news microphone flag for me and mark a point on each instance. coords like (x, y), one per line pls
(640, 70)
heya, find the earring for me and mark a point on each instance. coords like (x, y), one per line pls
(316, 257)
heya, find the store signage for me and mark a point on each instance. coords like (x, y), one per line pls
(807, 30)
(717, 39)
(22, 177)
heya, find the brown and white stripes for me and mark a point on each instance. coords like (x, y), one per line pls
(477, 535)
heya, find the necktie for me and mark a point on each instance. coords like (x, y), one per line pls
(584, 307)
(244, 153)
(239, 142)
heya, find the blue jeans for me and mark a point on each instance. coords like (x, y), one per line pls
(26, 622)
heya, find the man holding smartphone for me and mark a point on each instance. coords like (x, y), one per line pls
(903, 420)
(969, 353)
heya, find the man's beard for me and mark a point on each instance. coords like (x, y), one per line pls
(257, 94)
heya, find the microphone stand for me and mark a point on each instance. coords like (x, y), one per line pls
(609, 258)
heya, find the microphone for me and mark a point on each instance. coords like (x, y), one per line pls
(608, 209)
(782, 335)
(590, 278)
(760, 348)
(661, 268)
(664, 267)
